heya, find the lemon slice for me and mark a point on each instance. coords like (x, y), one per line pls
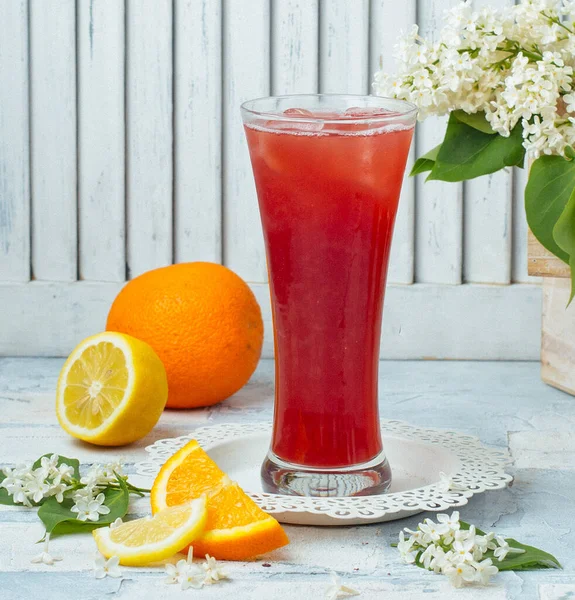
(151, 539)
(111, 390)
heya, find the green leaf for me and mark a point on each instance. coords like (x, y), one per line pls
(549, 188)
(467, 152)
(476, 120)
(564, 235)
(53, 513)
(59, 519)
(62, 460)
(425, 162)
(530, 560)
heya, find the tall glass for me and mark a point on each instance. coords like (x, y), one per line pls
(328, 172)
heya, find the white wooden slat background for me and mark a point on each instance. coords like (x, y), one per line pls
(197, 131)
(382, 39)
(439, 205)
(14, 143)
(121, 150)
(53, 140)
(101, 141)
(246, 75)
(295, 47)
(149, 110)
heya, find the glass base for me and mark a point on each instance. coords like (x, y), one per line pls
(366, 479)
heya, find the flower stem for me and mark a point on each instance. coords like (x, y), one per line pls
(557, 21)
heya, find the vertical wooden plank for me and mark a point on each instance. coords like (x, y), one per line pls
(246, 76)
(487, 220)
(543, 263)
(149, 134)
(387, 18)
(558, 335)
(197, 130)
(439, 217)
(519, 259)
(295, 46)
(14, 142)
(488, 229)
(53, 139)
(344, 43)
(101, 140)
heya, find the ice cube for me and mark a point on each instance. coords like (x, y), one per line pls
(296, 125)
(298, 112)
(365, 112)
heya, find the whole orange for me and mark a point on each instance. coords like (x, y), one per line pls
(204, 323)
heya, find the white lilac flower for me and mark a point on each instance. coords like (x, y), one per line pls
(27, 485)
(504, 549)
(36, 487)
(86, 493)
(405, 547)
(440, 560)
(192, 578)
(116, 523)
(19, 493)
(49, 463)
(92, 476)
(102, 475)
(451, 521)
(446, 548)
(214, 572)
(428, 555)
(173, 573)
(90, 510)
(64, 473)
(484, 571)
(185, 572)
(107, 568)
(485, 542)
(337, 589)
(45, 557)
(463, 550)
(432, 531)
(460, 573)
(514, 63)
(416, 536)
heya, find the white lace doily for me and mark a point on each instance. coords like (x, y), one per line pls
(471, 467)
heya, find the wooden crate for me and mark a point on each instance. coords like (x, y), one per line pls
(558, 323)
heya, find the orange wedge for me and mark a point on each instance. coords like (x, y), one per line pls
(186, 475)
(237, 528)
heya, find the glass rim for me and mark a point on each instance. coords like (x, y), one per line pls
(409, 109)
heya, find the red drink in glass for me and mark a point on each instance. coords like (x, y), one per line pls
(328, 189)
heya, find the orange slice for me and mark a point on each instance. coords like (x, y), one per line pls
(237, 528)
(186, 475)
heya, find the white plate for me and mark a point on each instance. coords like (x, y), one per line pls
(417, 457)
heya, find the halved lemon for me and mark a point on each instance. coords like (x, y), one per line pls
(151, 539)
(111, 390)
(237, 528)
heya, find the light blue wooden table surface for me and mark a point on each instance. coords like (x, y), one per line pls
(505, 404)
